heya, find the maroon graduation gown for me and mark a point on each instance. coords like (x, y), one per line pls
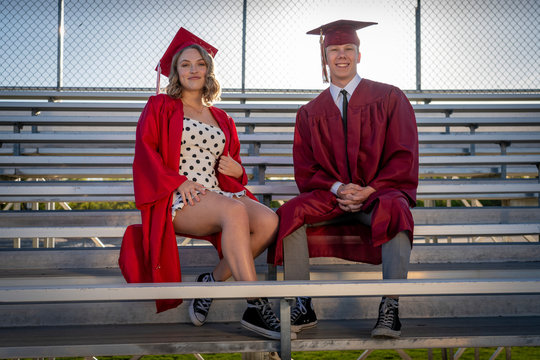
(149, 251)
(382, 150)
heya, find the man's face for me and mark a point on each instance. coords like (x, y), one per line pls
(342, 61)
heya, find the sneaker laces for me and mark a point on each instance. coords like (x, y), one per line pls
(299, 309)
(204, 304)
(386, 315)
(268, 315)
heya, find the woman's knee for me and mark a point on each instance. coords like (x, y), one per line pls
(271, 221)
(262, 217)
(235, 210)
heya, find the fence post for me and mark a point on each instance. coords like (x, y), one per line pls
(418, 47)
(60, 51)
(244, 22)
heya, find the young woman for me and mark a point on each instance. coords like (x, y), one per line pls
(188, 180)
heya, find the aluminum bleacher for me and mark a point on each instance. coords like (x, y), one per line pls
(475, 272)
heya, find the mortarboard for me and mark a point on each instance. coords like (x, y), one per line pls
(338, 33)
(182, 39)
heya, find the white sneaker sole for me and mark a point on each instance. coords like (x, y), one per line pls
(274, 335)
(385, 333)
(298, 328)
(193, 316)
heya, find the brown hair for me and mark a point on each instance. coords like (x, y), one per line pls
(211, 90)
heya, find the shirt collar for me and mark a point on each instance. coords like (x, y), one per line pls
(350, 87)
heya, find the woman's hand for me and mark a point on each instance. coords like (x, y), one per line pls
(228, 166)
(189, 189)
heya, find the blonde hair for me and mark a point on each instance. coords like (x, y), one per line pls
(211, 90)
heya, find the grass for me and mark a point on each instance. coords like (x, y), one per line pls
(518, 353)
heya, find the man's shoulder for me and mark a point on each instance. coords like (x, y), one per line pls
(373, 91)
(319, 100)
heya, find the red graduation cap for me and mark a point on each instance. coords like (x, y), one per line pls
(182, 39)
(338, 32)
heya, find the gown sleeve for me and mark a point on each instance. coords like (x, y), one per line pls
(308, 173)
(398, 168)
(152, 179)
(234, 151)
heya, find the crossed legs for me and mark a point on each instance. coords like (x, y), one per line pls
(247, 228)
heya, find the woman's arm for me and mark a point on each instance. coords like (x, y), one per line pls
(152, 179)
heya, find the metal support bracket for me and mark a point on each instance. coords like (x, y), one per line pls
(285, 315)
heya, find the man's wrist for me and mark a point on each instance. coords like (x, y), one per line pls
(334, 189)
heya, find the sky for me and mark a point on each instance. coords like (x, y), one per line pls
(482, 44)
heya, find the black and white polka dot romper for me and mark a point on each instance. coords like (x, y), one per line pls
(201, 146)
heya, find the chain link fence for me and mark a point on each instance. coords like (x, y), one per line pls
(493, 44)
(457, 45)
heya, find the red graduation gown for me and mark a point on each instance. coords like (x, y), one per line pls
(149, 252)
(382, 150)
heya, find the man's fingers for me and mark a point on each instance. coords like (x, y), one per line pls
(343, 207)
(349, 202)
(354, 197)
(345, 202)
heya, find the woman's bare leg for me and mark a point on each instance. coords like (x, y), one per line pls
(263, 227)
(216, 213)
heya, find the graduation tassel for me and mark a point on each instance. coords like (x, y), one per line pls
(158, 80)
(323, 60)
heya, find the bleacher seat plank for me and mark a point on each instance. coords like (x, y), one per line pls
(227, 95)
(155, 339)
(254, 107)
(74, 137)
(204, 255)
(275, 289)
(486, 229)
(422, 333)
(140, 339)
(255, 122)
(113, 160)
(40, 191)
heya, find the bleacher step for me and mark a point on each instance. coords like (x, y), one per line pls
(140, 312)
(155, 339)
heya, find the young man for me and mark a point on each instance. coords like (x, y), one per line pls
(356, 166)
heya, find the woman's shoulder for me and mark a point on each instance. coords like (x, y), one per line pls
(160, 98)
(161, 101)
(217, 112)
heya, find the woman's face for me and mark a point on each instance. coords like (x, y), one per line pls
(191, 70)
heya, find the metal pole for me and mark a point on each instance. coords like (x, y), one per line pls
(60, 51)
(418, 47)
(244, 17)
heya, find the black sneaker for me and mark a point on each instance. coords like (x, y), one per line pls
(198, 308)
(388, 324)
(260, 318)
(302, 315)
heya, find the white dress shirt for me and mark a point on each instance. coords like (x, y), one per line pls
(338, 100)
(336, 92)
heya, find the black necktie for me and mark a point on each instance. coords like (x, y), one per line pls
(344, 119)
(345, 105)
